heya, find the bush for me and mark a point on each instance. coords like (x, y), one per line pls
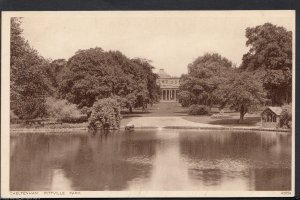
(198, 110)
(86, 111)
(184, 98)
(286, 116)
(64, 111)
(105, 114)
(30, 108)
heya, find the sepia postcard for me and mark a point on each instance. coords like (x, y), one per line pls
(148, 104)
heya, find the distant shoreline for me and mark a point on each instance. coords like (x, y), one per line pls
(64, 130)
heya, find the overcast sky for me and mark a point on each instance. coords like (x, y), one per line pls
(171, 40)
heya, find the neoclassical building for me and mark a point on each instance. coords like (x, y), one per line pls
(169, 86)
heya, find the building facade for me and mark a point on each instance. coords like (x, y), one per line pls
(169, 86)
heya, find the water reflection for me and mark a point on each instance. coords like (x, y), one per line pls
(233, 161)
(151, 160)
(169, 171)
(59, 181)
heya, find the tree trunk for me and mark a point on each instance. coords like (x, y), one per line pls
(130, 109)
(242, 113)
(286, 96)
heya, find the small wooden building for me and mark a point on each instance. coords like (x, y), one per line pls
(270, 117)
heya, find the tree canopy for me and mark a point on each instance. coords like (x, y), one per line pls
(204, 76)
(28, 81)
(270, 53)
(264, 77)
(95, 74)
(87, 76)
(242, 92)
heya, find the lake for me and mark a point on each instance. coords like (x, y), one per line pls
(167, 159)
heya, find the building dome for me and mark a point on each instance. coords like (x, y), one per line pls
(163, 74)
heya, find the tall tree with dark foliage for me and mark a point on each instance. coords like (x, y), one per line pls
(270, 54)
(28, 83)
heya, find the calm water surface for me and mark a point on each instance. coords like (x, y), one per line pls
(151, 160)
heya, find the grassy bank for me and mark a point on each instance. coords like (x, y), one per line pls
(51, 126)
(231, 120)
(169, 110)
(124, 121)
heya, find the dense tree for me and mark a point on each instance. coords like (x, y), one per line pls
(95, 74)
(204, 76)
(242, 92)
(54, 72)
(270, 53)
(150, 77)
(286, 116)
(28, 82)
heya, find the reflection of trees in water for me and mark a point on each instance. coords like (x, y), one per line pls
(214, 156)
(29, 167)
(36, 156)
(272, 179)
(236, 145)
(210, 177)
(99, 162)
(111, 161)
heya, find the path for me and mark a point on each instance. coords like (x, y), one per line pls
(179, 122)
(161, 122)
(171, 115)
(167, 109)
(160, 109)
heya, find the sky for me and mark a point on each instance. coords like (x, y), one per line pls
(170, 39)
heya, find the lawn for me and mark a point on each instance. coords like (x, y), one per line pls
(175, 109)
(168, 110)
(231, 120)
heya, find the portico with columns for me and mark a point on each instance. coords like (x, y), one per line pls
(169, 95)
(169, 86)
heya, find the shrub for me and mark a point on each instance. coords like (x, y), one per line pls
(184, 98)
(105, 114)
(286, 116)
(30, 108)
(64, 111)
(198, 110)
(86, 111)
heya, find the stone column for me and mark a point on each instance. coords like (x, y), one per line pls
(166, 98)
(173, 95)
(166, 93)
